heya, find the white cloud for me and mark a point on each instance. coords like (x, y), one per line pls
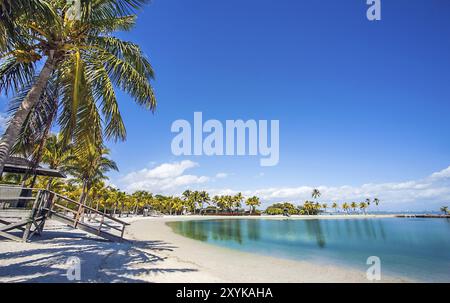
(167, 178)
(170, 178)
(443, 174)
(221, 175)
(421, 194)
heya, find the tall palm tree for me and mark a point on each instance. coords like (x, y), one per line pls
(315, 193)
(81, 60)
(325, 206)
(377, 202)
(444, 209)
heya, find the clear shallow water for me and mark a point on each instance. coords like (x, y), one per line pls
(410, 247)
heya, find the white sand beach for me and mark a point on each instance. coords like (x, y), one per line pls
(156, 254)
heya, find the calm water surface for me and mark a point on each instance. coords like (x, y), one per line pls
(409, 247)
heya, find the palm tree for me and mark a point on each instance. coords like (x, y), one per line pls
(221, 202)
(376, 201)
(354, 205)
(363, 206)
(444, 209)
(56, 154)
(81, 59)
(203, 197)
(252, 202)
(325, 206)
(335, 206)
(315, 193)
(89, 165)
(238, 198)
(307, 207)
(345, 207)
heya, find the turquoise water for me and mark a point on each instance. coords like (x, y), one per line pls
(410, 247)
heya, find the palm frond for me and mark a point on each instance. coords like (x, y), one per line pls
(15, 75)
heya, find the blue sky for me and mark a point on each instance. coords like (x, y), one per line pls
(363, 106)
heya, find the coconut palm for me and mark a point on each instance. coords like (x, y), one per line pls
(82, 60)
(11, 11)
(354, 205)
(346, 207)
(252, 202)
(444, 209)
(203, 197)
(325, 206)
(363, 206)
(315, 193)
(376, 201)
(90, 163)
(238, 198)
(221, 202)
(121, 198)
(335, 206)
(56, 154)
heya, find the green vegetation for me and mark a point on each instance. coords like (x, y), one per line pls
(62, 68)
(314, 208)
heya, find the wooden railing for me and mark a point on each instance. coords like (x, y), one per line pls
(48, 204)
(81, 214)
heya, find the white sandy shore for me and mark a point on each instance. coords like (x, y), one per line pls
(156, 254)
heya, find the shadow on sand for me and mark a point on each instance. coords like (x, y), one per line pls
(44, 259)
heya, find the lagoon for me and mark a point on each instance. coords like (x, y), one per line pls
(415, 248)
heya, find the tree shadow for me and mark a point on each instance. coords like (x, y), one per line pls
(45, 259)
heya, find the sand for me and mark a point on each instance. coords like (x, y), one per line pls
(156, 254)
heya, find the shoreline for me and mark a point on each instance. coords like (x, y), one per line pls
(220, 264)
(157, 254)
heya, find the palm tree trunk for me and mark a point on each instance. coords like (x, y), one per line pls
(32, 98)
(38, 156)
(115, 208)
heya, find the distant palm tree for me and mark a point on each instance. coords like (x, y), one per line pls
(444, 209)
(345, 207)
(354, 205)
(376, 201)
(335, 206)
(238, 198)
(325, 206)
(203, 198)
(363, 206)
(367, 203)
(252, 202)
(315, 193)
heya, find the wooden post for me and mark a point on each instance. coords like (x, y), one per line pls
(123, 231)
(44, 209)
(31, 219)
(101, 224)
(80, 215)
